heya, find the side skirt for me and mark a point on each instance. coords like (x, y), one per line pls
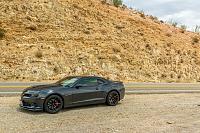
(87, 102)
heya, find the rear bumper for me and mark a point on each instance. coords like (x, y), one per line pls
(32, 104)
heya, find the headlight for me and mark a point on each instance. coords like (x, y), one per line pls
(33, 93)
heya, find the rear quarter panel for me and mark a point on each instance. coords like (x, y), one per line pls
(119, 87)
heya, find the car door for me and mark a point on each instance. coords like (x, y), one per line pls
(101, 89)
(86, 91)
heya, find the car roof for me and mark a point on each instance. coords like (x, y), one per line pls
(88, 77)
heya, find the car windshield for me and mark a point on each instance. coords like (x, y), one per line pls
(69, 81)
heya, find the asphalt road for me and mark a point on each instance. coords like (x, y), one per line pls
(15, 88)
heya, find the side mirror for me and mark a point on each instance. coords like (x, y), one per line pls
(77, 86)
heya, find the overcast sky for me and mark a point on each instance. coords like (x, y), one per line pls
(185, 12)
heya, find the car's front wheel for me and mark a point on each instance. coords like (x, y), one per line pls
(53, 104)
(112, 98)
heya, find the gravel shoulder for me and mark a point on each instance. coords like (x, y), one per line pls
(136, 113)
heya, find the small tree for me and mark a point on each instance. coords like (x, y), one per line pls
(197, 29)
(117, 2)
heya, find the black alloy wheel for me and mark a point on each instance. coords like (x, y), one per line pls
(112, 98)
(53, 104)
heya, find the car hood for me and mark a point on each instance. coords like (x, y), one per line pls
(44, 87)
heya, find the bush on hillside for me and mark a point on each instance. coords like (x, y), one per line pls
(183, 28)
(195, 40)
(197, 29)
(117, 2)
(2, 33)
(173, 23)
(38, 54)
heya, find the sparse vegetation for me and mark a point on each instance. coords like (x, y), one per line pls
(168, 34)
(116, 49)
(86, 31)
(117, 3)
(173, 23)
(183, 28)
(197, 29)
(103, 1)
(2, 33)
(32, 27)
(56, 69)
(120, 27)
(195, 40)
(124, 6)
(142, 15)
(161, 21)
(38, 54)
(141, 12)
(153, 17)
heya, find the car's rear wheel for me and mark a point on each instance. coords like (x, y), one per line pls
(112, 98)
(53, 104)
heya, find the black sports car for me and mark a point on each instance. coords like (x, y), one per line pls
(72, 91)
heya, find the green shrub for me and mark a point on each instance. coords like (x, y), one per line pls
(2, 33)
(117, 2)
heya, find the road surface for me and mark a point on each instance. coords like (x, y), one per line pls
(166, 113)
(15, 88)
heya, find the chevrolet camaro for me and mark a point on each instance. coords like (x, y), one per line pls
(72, 91)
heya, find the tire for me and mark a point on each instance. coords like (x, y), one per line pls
(53, 104)
(112, 98)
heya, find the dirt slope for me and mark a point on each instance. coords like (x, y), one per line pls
(48, 39)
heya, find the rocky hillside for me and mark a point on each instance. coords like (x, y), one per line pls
(48, 39)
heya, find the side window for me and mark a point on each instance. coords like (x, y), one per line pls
(88, 82)
(100, 81)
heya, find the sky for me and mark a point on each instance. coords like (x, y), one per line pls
(185, 12)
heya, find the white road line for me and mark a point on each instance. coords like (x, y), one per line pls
(161, 91)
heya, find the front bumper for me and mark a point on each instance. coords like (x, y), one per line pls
(32, 103)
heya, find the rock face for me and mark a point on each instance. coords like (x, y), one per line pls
(48, 39)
